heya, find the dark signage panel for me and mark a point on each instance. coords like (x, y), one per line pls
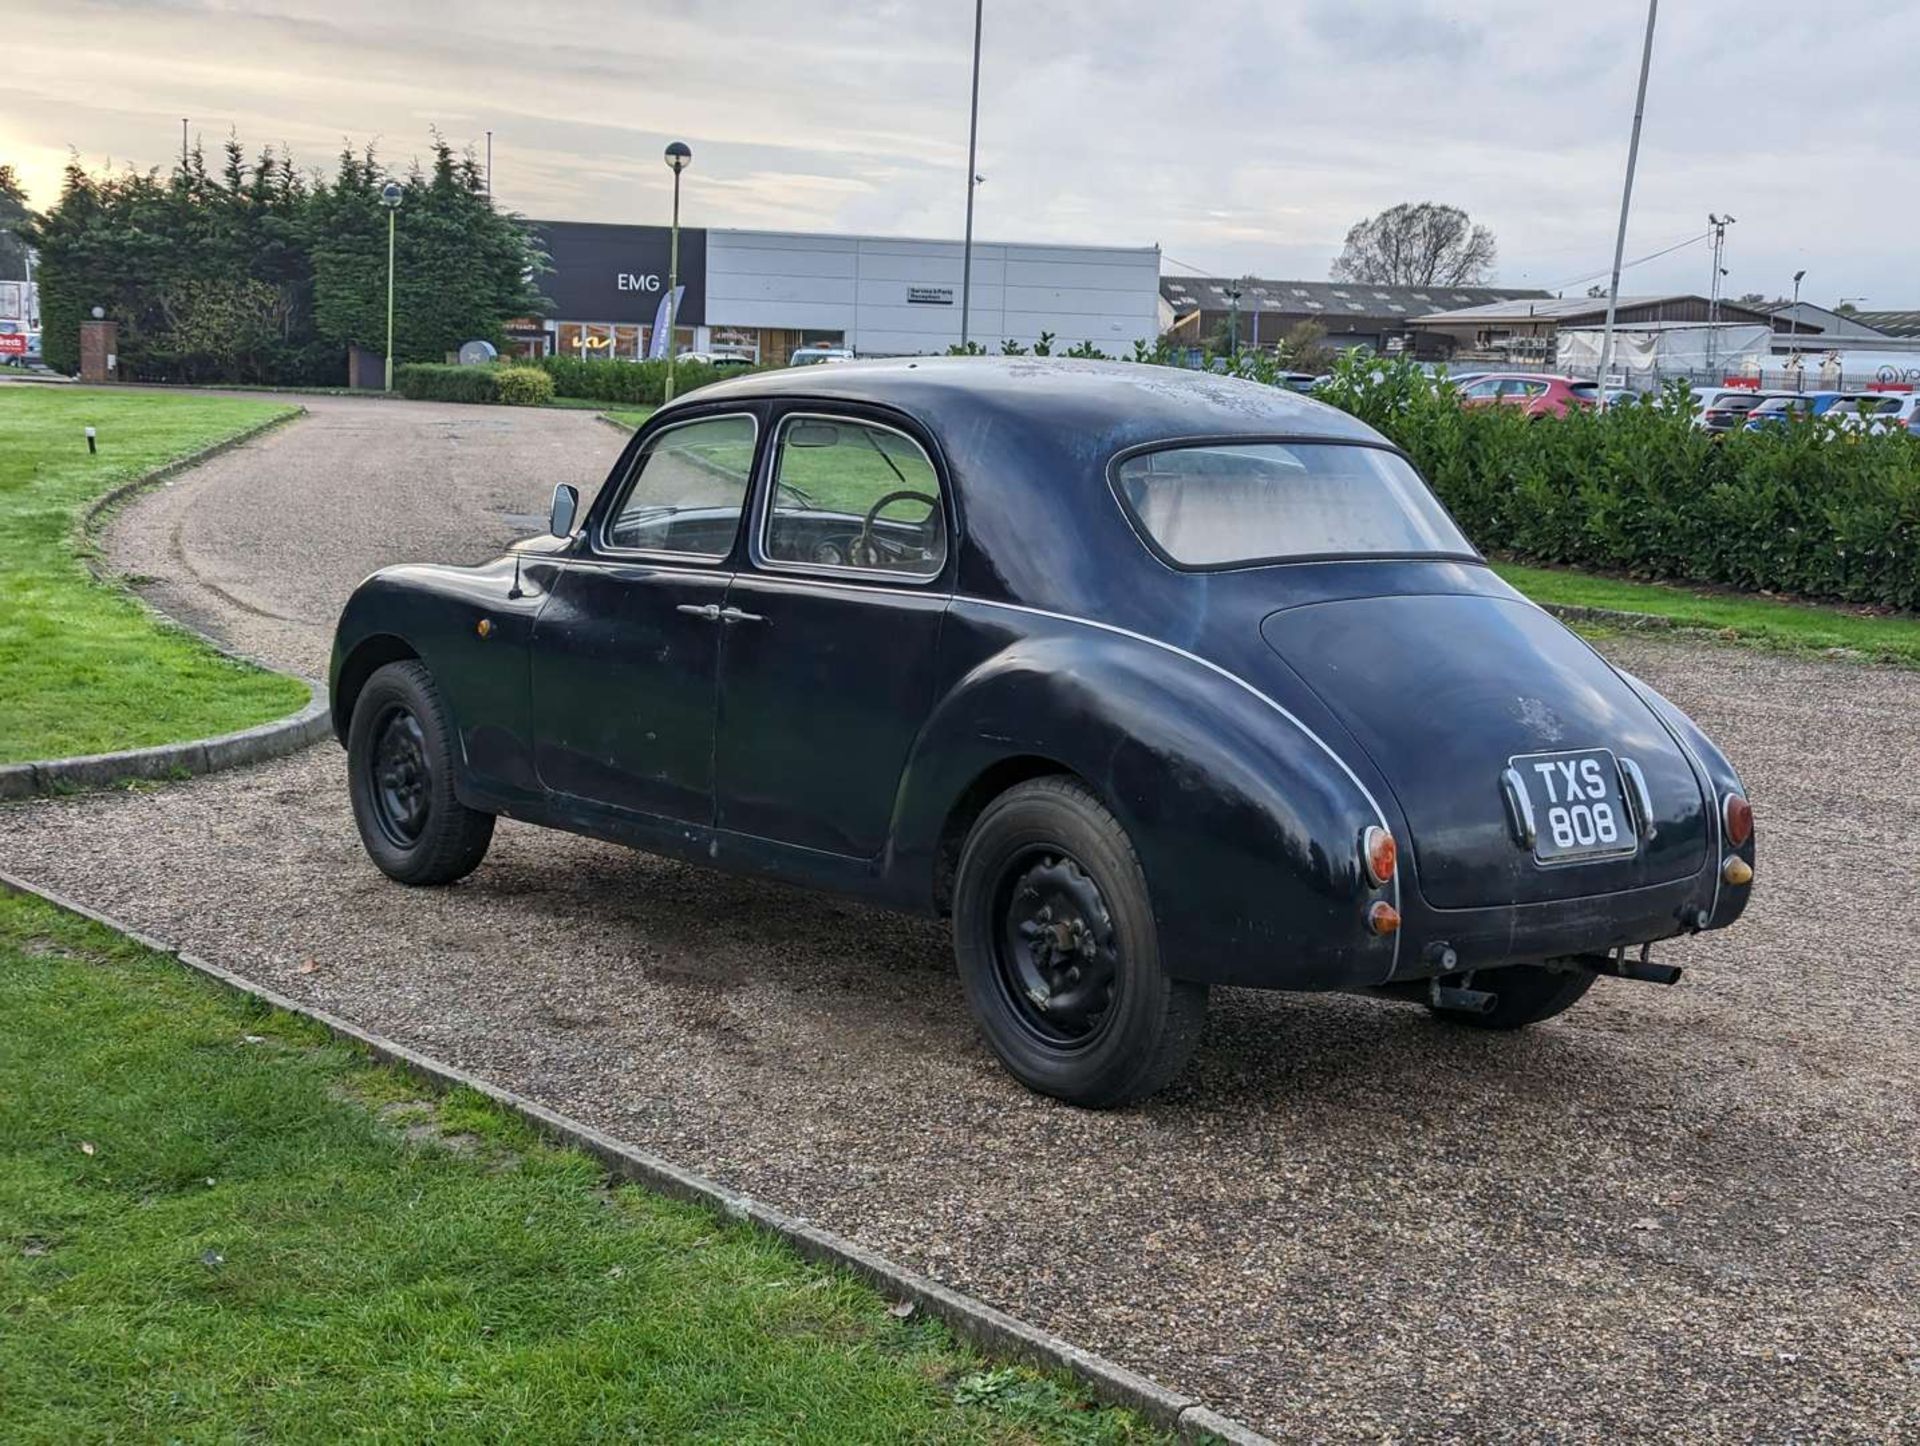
(619, 273)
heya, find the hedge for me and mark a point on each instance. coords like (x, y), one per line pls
(521, 386)
(1809, 508)
(640, 383)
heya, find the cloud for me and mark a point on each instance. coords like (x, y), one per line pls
(1239, 135)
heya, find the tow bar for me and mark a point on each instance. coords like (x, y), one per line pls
(1620, 966)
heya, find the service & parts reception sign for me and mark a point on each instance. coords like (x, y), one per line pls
(619, 273)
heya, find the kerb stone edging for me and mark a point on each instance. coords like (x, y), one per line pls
(971, 1319)
(199, 755)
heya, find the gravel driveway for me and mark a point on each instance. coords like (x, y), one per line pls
(1676, 1214)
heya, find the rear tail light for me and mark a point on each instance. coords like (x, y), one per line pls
(1737, 814)
(1379, 852)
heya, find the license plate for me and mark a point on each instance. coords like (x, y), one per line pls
(1576, 805)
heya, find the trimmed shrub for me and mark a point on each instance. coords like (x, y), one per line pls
(511, 385)
(641, 383)
(1809, 508)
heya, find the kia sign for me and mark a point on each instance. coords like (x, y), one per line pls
(619, 273)
(12, 343)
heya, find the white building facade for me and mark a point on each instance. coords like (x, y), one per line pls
(767, 294)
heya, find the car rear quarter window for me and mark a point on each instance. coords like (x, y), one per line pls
(1238, 504)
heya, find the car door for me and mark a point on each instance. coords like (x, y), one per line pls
(827, 667)
(626, 651)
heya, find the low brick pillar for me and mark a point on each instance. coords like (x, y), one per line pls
(99, 351)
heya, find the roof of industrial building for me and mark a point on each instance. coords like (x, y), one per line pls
(1893, 323)
(1557, 308)
(1329, 298)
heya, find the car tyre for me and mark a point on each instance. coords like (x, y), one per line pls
(1526, 994)
(400, 752)
(1059, 954)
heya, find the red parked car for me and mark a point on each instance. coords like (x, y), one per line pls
(1540, 394)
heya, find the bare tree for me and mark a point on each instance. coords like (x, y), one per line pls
(1417, 245)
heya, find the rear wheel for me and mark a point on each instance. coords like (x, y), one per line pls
(1058, 952)
(400, 749)
(1525, 994)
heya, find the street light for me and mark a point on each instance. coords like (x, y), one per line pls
(679, 157)
(390, 195)
(973, 179)
(1626, 201)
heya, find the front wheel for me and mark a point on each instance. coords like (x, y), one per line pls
(1524, 994)
(400, 748)
(1058, 952)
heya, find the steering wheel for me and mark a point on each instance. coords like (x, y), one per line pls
(866, 550)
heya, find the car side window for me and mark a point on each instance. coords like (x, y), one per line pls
(689, 486)
(854, 495)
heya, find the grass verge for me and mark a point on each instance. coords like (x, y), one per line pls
(85, 668)
(627, 416)
(1740, 617)
(216, 1223)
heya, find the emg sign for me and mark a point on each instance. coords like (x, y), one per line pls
(619, 273)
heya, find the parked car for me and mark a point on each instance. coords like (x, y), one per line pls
(1887, 412)
(815, 354)
(1777, 411)
(1268, 721)
(721, 360)
(1539, 394)
(1724, 409)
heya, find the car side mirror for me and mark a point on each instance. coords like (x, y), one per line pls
(566, 504)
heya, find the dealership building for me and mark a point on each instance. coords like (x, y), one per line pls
(765, 294)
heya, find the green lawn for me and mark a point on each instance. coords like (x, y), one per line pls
(84, 668)
(1763, 620)
(628, 416)
(216, 1224)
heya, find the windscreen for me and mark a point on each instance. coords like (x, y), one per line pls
(1252, 502)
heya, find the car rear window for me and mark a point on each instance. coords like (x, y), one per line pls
(1235, 504)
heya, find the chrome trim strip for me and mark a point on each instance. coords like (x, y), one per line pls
(1519, 808)
(1641, 795)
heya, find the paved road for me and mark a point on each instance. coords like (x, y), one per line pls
(1676, 1214)
(262, 546)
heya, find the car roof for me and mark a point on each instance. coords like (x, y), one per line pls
(1029, 440)
(1079, 407)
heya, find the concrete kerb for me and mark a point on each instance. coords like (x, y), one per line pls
(968, 1318)
(195, 756)
(1612, 617)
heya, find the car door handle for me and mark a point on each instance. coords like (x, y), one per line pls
(735, 615)
(709, 611)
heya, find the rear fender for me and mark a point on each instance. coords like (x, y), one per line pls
(1247, 831)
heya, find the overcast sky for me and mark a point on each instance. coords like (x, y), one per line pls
(1239, 135)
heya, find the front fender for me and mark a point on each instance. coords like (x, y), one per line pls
(1247, 831)
(436, 614)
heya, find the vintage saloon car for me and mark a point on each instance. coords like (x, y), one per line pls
(1153, 680)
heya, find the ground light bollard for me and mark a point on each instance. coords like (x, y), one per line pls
(91, 449)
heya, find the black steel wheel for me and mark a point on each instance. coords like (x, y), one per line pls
(1524, 994)
(400, 753)
(1058, 953)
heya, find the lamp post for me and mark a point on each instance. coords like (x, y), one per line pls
(390, 195)
(1626, 201)
(973, 136)
(1233, 323)
(1798, 277)
(679, 157)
